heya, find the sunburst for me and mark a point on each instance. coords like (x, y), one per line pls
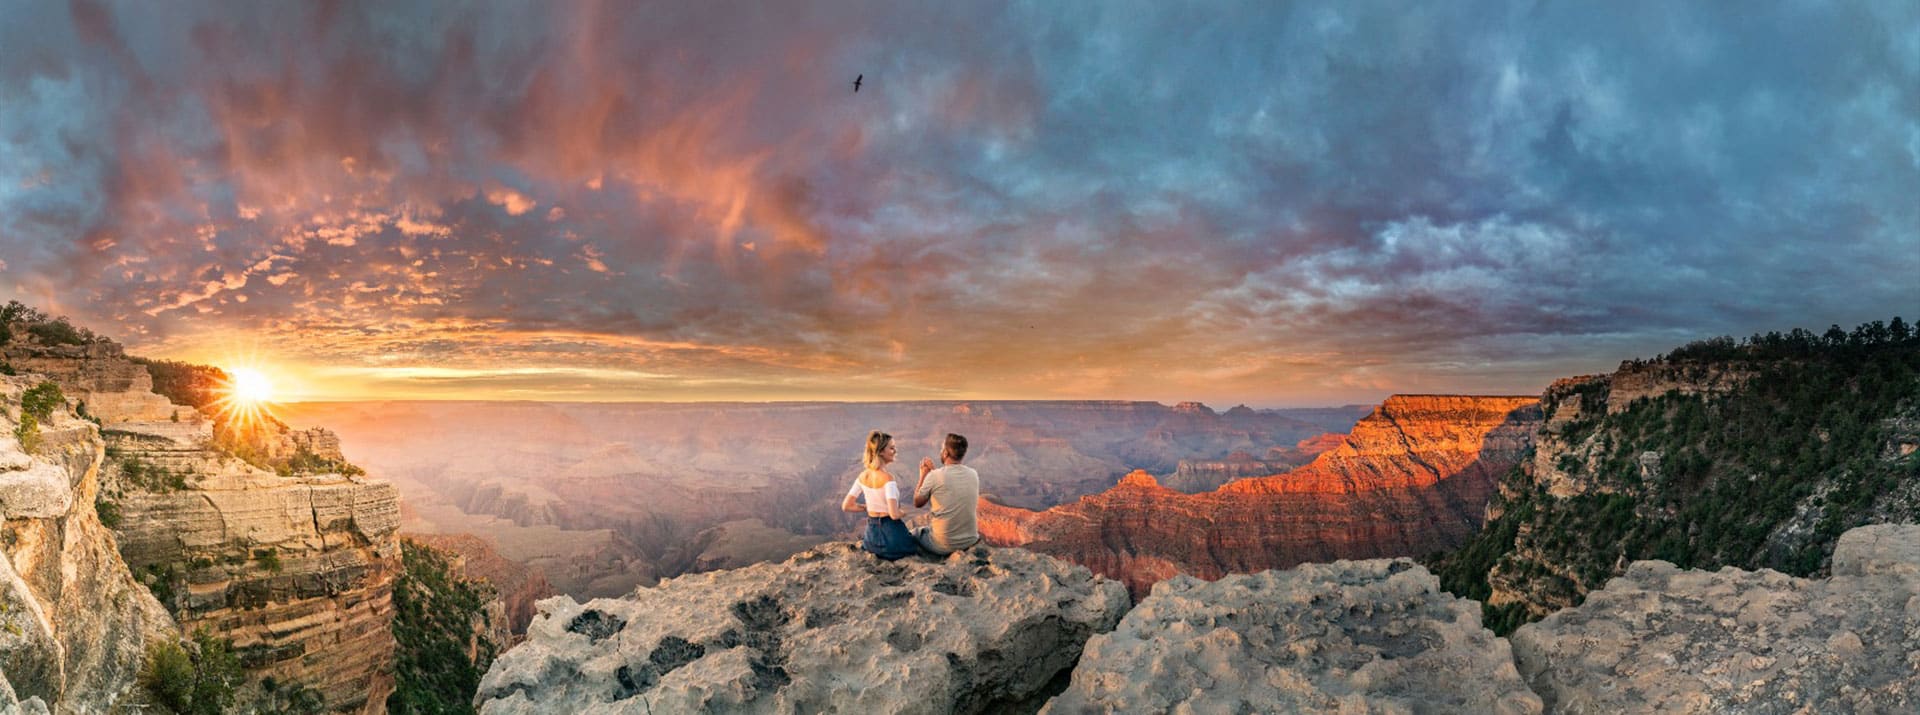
(246, 399)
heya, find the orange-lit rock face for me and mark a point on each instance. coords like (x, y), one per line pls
(1413, 477)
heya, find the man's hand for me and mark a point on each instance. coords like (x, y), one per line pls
(926, 465)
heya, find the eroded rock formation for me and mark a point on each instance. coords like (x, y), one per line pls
(1660, 639)
(1351, 636)
(1413, 477)
(831, 629)
(297, 571)
(74, 625)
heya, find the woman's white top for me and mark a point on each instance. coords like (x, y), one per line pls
(876, 498)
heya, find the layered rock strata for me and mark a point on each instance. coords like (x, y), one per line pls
(1351, 636)
(297, 571)
(830, 630)
(1413, 477)
(74, 624)
(1660, 639)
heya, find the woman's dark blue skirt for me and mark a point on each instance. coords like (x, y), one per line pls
(888, 538)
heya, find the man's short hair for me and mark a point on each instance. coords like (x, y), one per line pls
(955, 448)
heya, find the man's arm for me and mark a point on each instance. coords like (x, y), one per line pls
(921, 492)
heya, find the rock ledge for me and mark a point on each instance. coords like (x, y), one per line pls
(831, 629)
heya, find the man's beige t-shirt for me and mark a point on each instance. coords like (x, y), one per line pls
(955, 493)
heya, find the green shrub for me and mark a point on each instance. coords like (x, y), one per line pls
(109, 513)
(60, 332)
(28, 433)
(40, 400)
(269, 559)
(198, 683)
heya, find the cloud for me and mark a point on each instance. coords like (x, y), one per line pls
(1246, 203)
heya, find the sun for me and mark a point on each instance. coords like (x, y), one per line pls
(249, 387)
(246, 399)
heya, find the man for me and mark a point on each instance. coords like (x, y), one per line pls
(954, 490)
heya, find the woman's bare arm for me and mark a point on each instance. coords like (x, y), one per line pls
(851, 503)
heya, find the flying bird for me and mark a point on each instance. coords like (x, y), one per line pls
(856, 82)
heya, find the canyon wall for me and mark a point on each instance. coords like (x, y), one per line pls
(74, 624)
(1414, 476)
(296, 570)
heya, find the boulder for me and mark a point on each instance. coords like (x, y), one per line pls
(831, 629)
(1374, 636)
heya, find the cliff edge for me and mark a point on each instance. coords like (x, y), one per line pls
(830, 629)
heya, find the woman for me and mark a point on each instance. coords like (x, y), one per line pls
(887, 537)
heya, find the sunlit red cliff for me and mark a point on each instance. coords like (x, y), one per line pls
(1413, 477)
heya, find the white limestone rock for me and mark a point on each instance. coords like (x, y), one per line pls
(1660, 639)
(74, 624)
(830, 630)
(1374, 636)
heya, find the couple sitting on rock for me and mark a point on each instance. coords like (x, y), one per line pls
(953, 490)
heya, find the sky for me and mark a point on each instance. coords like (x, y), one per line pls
(1275, 204)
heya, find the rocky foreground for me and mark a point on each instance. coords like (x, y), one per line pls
(835, 630)
(830, 630)
(1350, 636)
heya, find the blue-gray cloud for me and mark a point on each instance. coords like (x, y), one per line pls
(1262, 202)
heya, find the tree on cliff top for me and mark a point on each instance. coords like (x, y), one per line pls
(48, 330)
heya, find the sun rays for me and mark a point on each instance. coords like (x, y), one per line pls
(246, 398)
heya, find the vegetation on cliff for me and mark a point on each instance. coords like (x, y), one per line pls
(192, 681)
(1765, 475)
(17, 319)
(438, 625)
(184, 383)
(36, 406)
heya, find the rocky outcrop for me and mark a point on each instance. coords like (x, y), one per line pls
(1413, 477)
(97, 377)
(297, 571)
(836, 630)
(1351, 636)
(830, 630)
(74, 624)
(1660, 639)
